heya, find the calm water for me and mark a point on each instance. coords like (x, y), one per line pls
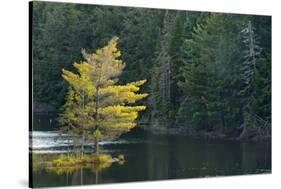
(154, 157)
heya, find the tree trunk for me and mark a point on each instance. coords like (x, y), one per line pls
(82, 147)
(97, 146)
(97, 126)
(68, 149)
(83, 122)
(244, 132)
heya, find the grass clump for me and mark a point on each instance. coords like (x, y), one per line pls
(101, 158)
(70, 161)
(64, 161)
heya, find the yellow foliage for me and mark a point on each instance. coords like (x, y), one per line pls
(97, 134)
(95, 100)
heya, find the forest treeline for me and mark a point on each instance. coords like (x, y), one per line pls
(205, 71)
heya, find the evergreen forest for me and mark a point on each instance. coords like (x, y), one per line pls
(201, 72)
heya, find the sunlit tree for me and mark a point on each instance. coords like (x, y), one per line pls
(99, 106)
(76, 118)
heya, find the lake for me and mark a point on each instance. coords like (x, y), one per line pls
(152, 157)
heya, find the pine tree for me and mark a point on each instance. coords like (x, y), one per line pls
(262, 104)
(77, 109)
(184, 116)
(161, 79)
(248, 72)
(139, 53)
(102, 108)
(249, 68)
(209, 72)
(175, 51)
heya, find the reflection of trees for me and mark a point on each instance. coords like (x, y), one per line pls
(78, 171)
(255, 156)
(69, 173)
(92, 167)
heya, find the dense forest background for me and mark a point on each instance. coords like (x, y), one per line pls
(205, 71)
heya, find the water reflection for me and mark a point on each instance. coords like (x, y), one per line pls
(167, 157)
(75, 175)
(157, 157)
(70, 172)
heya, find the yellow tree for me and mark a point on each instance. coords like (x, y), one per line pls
(105, 108)
(76, 118)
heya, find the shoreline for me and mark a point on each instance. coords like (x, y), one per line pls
(203, 134)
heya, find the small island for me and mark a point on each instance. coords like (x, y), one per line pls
(97, 108)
